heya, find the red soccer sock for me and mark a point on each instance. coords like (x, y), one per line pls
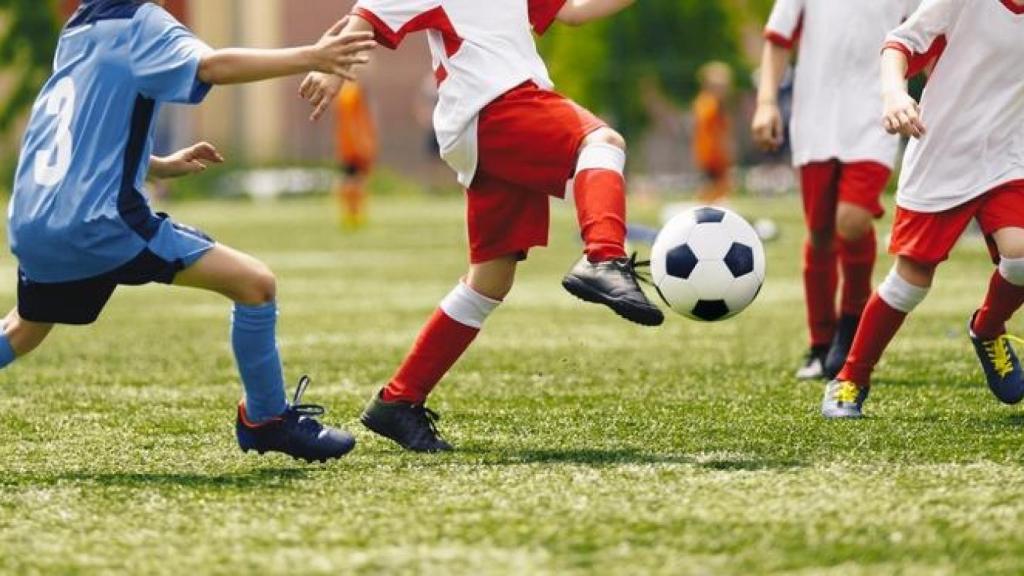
(601, 208)
(1001, 302)
(857, 259)
(879, 324)
(440, 344)
(821, 279)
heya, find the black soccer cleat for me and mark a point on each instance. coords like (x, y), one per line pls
(296, 433)
(813, 366)
(842, 342)
(613, 283)
(412, 426)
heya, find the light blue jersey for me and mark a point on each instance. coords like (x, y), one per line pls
(78, 210)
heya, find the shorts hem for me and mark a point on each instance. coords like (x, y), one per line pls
(521, 251)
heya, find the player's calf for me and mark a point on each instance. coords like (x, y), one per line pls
(605, 275)
(20, 337)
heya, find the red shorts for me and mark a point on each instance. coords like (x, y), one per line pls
(826, 184)
(528, 144)
(928, 238)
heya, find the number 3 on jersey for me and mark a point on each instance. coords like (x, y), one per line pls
(51, 164)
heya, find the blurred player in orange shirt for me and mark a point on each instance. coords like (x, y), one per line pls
(356, 137)
(712, 134)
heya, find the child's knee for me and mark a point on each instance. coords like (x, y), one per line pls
(1012, 269)
(906, 286)
(1010, 243)
(493, 279)
(606, 136)
(853, 222)
(260, 287)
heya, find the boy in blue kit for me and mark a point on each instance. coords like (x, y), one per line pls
(80, 225)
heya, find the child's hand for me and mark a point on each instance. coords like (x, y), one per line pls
(191, 160)
(767, 127)
(320, 90)
(903, 115)
(338, 51)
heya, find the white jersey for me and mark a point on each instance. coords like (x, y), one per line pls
(837, 107)
(481, 50)
(973, 105)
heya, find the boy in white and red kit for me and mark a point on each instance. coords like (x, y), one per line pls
(965, 162)
(843, 155)
(514, 143)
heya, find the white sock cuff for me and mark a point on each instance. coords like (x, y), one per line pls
(1012, 270)
(467, 306)
(602, 156)
(900, 294)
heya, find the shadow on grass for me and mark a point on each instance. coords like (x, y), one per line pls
(251, 479)
(626, 456)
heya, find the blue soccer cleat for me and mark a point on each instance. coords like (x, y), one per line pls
(1001, 365)
(296, 433)
(843, 400)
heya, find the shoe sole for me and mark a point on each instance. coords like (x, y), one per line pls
(323, 460)
(366, 422)
(620, 307)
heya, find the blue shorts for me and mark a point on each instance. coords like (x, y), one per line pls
(80, 302)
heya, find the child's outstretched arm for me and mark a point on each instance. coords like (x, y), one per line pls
(579, 12)
(191, 160)
(767, 125)
(336, 52)
(902, 113)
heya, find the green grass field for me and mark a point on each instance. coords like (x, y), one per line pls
(585, 445)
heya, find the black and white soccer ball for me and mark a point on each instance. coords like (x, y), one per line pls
(708, 264)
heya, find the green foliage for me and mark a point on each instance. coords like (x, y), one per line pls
(603, 65)
(27, 42)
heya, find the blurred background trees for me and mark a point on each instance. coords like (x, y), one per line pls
(28, 36)
(656, 43)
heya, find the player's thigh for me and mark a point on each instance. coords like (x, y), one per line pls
(916, 272)
(231, 273)
(534, 141)
(928, 238)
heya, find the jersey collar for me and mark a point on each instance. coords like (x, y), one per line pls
(92, 11)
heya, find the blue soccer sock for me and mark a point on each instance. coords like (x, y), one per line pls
(7, 354)
(255, 345)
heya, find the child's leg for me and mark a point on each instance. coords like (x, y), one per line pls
(1006, 289)
(252, 286)
(858, 249)
(20, 337)
(904, 289)
(354, 200)
(821, 277)
(600, 194)
(451, 329)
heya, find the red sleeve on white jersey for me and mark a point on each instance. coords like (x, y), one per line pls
(393, 20)
(923, 36)
(785, 23)
(543, 14)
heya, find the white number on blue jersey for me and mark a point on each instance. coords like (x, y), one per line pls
(52, 163)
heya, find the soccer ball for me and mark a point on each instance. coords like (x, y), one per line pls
(708, 264)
